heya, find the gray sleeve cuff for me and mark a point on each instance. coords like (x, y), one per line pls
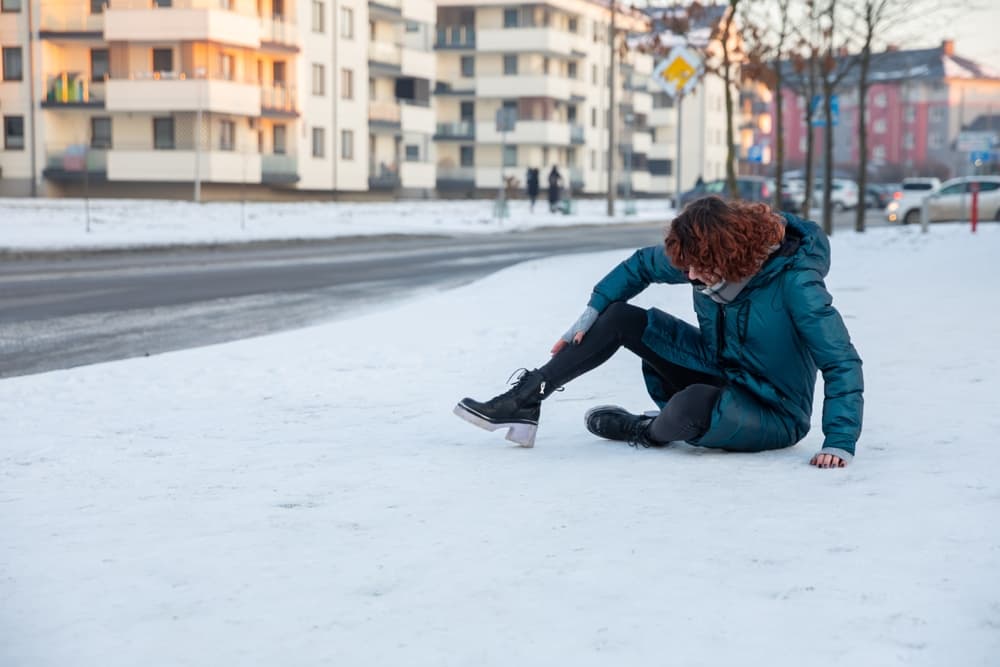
(845, 455)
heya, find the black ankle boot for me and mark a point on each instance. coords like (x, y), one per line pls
(517, 409)
(615, 423)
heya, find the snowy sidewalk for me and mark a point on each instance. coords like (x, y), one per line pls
(309, 499)
(60, 224)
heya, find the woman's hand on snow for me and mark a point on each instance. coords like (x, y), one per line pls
(827, 461)
(576, 332)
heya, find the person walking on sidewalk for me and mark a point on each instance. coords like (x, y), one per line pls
(555, 180)
(743, 379)
(533, 185)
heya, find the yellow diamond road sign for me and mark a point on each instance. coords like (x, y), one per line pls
(678, 73)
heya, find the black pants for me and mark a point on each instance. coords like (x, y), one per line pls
(692, 393)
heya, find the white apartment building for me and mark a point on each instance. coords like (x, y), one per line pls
(547, 63)
(164, 94)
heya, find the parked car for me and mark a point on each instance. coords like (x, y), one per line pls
(793, 193)
(952, 200)
(752, 188)
(878, 195)
(905, 204)
(843, 194)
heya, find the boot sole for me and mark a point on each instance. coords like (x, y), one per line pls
(520, 433)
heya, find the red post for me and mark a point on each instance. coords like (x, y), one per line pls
(974, 189)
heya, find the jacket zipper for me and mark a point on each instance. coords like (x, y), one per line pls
(721, 332)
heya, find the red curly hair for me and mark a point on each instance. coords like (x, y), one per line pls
(730, 240)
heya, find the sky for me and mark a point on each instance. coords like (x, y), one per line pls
(308, 498)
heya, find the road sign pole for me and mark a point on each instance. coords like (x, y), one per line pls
(974, 188)
(677, 157)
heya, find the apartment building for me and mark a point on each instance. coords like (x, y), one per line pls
(154, 96)
(547, 65)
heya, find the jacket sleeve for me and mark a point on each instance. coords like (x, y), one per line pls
(822, 330)
(644, 267)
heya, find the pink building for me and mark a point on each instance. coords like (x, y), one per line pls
(917, 104)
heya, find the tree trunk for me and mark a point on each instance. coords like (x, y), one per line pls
(779, 133)
(810, 135)
(866, 55)
(727, 76)
(827, 154)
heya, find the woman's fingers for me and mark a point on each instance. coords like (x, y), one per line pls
(557, 348)
(579, 337)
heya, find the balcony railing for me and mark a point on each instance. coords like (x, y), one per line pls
(455, 37)
(73, 89)
(70, 159)
(386, 53)
(278, 31)
(385, 112)
(279, 168)
(456, 174)
(463, 129)
(76, 18)
(280, 98)
(383, 176)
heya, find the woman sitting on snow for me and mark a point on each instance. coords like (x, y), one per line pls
(742, 381)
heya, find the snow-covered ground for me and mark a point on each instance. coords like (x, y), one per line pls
(309, 499)
(54, 224)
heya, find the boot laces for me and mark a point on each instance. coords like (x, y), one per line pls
(518, 377)
(638, 436)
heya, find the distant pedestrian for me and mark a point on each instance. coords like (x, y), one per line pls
(555, 181)
(533, 186)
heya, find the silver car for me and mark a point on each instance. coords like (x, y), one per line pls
(952, 200)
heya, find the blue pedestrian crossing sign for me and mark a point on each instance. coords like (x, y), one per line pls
(755, 153)
(817, 113)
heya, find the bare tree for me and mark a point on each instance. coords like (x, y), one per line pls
(731, 50)
(803, 79)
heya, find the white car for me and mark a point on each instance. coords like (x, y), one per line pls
(952, 200)
(843, 194)
(905, 205)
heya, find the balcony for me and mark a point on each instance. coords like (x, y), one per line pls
(279, 33)
(384, 116)
(179, 91)
(69, 90)
(386, 56)
(548, 41)
(458, 131)
(455, 37)
(417, 118)
(211, 166)
(420, 64)
(417, 175)
(535, 132)
(385, 10)
(58, 20)
(278, 101)
(184, 20)
(523, 85)
(76, 163)
(279, 169)
(455, 178)
(383, 176)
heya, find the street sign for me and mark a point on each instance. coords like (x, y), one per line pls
(969, 142)
(979, 157)
(679, 72)
(755, 153)
(818, 115)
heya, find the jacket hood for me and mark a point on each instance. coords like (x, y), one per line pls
(814, 246)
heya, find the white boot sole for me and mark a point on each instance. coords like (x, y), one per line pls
(520, 434)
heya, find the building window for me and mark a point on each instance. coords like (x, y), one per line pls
(100, 132)
(510, 18)
(510, 64)
(879, 126)
(571, 70)
(510, 156)
(908, 140)
(347, 84)
(163, 60)
(319, 141)
(347, 144)
(412, 153)
(467, 156)
(99, 68)
(878, 153)
(227, 135)
(163, 4)
(910, 114)
(12, 70)
(593, 74)
(318, 79)
(467, 111)
(881, 100)
(593, 160)
(593, 116)
(13, 133)
(163, 133)
(468, 66)
(317, 16)
(11, 5)
(573, 24)
(935, 140)
(937, 114)
(278, 73)
(227, 66)
(279, 139)
(347, 23)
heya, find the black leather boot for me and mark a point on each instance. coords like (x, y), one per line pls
(517, 410)
(616, 423)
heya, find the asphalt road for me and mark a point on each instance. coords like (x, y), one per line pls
(60, 312)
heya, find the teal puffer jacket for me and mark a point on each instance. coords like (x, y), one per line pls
(766, 345)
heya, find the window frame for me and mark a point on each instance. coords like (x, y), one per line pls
(161, 51)
(318, 15)
(318, 79)
(318, 142)
(471, 148)
(347, 144)
(346, 83)
(107, 63)
(20, 62)
(508, 59)
(97, 142)
(158, 122)
(227, 127)
(347, 22)
(279, 147)
(471, 60)
(5, 10)
(8, 122)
